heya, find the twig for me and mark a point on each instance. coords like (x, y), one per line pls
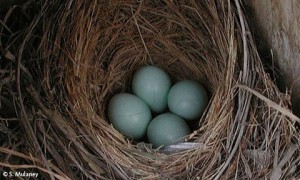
(271, 103)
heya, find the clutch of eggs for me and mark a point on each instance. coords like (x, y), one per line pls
(153, 92)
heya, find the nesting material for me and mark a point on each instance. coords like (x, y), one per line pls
(89, 50)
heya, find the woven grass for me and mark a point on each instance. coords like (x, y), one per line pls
(75, 55)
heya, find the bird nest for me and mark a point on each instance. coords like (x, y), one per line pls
(75, 55)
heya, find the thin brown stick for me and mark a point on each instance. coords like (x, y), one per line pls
(272, 104)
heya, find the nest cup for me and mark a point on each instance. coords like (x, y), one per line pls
(90, 50)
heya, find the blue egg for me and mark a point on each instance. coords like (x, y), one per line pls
(166, 129)
(188, 99)
(152, 85)
(129, 115)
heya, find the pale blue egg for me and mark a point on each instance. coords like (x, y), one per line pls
(188, 99)
(129, 115)
(166, 129)
(152, 85)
